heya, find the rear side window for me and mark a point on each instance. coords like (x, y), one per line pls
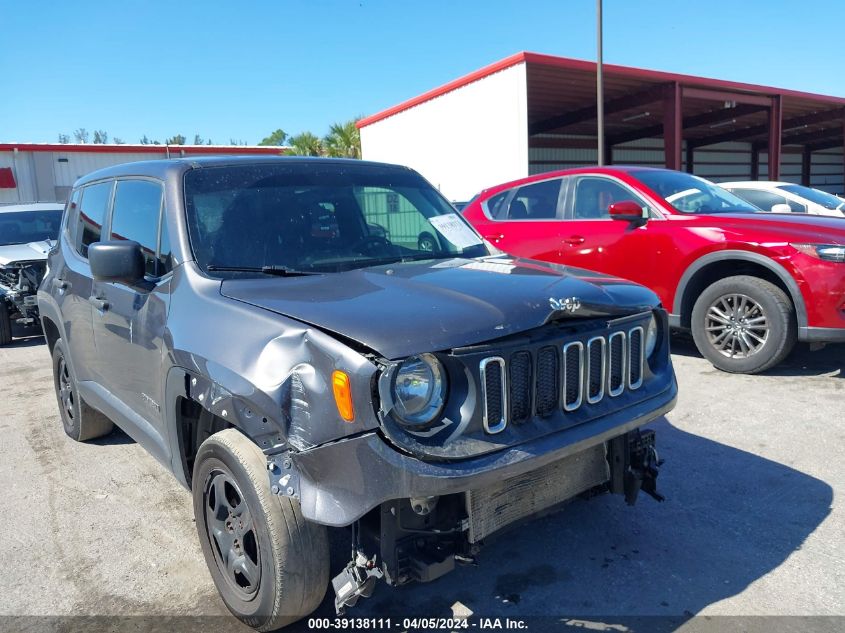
(72, 215)
(137, 208)
(92, 214)
(765, 199)
(537, 201)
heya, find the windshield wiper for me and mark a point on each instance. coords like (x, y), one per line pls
(279, 271)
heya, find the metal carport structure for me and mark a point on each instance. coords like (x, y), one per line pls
(716, 128)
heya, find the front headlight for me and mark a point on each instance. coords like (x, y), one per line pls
(825, 252)
(651, 335)
(419, 389)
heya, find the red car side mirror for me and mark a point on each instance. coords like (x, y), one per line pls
(627, 211)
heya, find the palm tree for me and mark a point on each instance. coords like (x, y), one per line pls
(305, 144)
(343, 140)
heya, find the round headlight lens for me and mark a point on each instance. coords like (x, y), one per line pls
(651, 337)
(419, 389)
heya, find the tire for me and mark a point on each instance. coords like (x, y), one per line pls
(5, 323)
(284, 558)
(426, 242)
(763, 330)
(80, 421)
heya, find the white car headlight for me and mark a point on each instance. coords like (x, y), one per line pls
(651, 336)
(419, 389)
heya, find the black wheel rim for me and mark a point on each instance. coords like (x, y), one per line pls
(231, 531)
(66, 394)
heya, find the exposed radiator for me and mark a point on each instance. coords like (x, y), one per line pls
(509, 500)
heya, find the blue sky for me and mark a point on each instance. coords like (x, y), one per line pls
(238, 70)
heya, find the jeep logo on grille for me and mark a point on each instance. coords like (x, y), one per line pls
(570, 304)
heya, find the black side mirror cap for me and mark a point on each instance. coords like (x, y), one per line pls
(120, 261)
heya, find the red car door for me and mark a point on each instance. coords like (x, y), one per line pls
(525, 221)
(591, 239)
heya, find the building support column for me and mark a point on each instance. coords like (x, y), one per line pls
(690, 159)
(775, 133)
(806, 165)
(672, 126)
(755, 162)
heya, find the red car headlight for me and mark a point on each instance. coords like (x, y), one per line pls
(826, 252)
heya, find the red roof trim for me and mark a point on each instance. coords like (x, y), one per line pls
(513, 60)
(175, 150)
(609, 69)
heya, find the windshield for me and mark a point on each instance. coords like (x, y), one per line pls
(827, 200)
(22, 227)
(316, 217)
(691, 194)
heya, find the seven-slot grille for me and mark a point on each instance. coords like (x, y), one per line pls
(550, 378)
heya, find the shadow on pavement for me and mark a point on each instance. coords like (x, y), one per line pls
(801, 362)
(29, 341)
(730, 518)
(115, 438)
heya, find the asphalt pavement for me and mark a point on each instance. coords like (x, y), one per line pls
(752, 534)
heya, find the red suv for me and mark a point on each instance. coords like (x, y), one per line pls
(749, 284)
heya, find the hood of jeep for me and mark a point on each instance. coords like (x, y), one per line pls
(408, 308)
(32, 252)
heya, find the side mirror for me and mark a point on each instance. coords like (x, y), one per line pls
(781, 208)
(117, 261)
(627, 211)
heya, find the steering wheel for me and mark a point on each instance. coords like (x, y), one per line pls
(369, 242)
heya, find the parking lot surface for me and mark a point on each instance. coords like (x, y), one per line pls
(753, 523)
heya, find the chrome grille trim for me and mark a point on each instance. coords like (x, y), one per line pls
(623, 367)
(494, 426)
(639, 360)
(596, 340)
(580, 347)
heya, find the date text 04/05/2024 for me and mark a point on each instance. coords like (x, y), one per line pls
(406, 624)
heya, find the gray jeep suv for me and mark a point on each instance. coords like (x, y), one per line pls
(273, 333)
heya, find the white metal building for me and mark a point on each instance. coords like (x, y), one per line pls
(531, 113)
(40, 172)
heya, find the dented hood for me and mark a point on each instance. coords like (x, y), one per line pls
(408, 308)
(32, 252)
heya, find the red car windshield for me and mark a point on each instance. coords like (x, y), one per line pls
(691, 194)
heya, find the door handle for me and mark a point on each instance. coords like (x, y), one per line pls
(59, 284)
(101, 304)
(575, 240)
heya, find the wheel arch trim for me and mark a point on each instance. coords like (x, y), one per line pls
(755, 258)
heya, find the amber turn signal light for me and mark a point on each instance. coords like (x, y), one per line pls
(343, 395)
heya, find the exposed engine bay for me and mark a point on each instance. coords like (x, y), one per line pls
(18, 286)
(421, 539)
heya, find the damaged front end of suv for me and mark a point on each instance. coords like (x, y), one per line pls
(27, 233)
(18, 301)
(479, 437)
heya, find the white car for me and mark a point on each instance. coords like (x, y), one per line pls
(27, 233)
(787, 197)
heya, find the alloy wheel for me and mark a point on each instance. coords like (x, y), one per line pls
(231, 530)
(736, 326)
(66, 395)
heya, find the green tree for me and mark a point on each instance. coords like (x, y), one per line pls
(305, 144)
(117, 141)
(276, 138)
(80, 135)
(64, 138)
(101, 137)
(198, 140)
(177, 139)
(343, 140)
